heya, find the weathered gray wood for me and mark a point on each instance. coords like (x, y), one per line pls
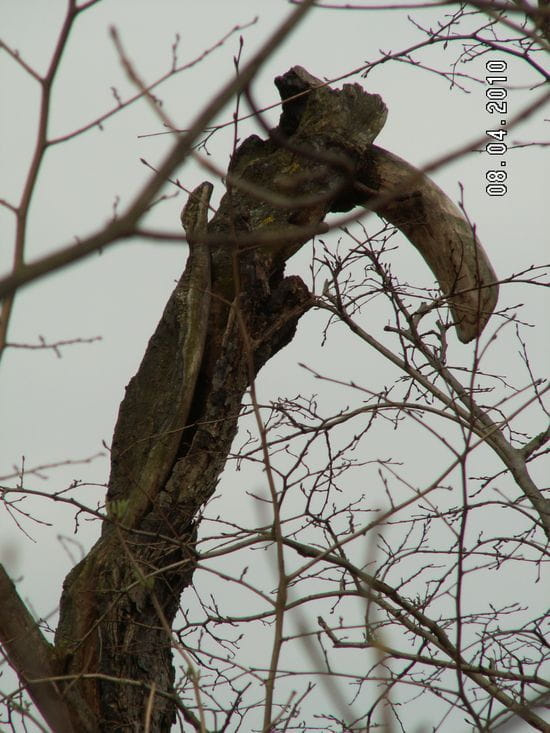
(413, 203)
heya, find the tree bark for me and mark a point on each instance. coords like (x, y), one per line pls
(118, 605)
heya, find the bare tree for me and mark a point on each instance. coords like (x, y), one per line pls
(139, 644)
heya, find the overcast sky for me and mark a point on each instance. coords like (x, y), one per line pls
(59, 409)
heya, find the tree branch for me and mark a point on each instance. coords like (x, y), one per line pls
(33, 658)
(437, 228)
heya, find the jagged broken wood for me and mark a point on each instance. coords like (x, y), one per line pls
(119, 602)
(400, 193)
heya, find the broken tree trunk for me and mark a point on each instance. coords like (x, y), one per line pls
(172, 438)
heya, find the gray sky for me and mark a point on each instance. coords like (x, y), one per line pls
(55, 410)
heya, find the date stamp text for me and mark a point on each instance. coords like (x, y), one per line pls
(497, 105)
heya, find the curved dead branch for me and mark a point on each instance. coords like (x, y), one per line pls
(413, 203)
